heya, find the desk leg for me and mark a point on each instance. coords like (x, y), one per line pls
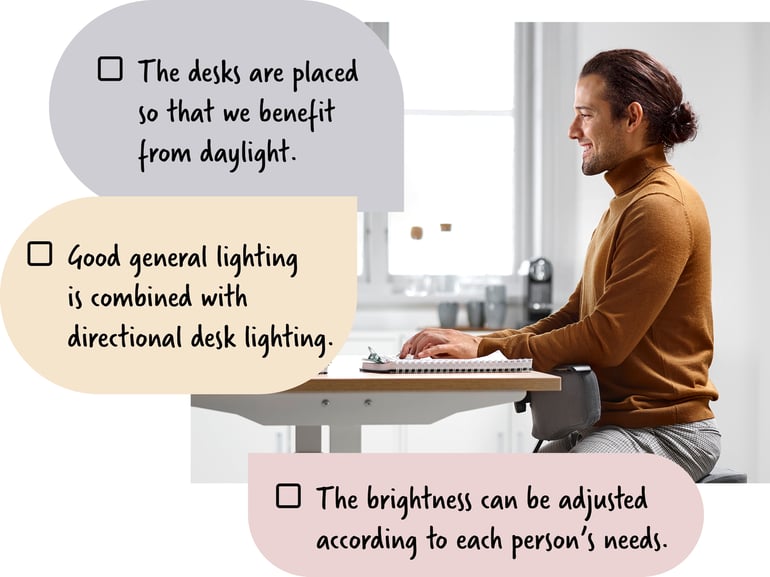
(307, 439)
(345, 439)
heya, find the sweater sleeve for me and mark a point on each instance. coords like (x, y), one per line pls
(652, 245)
(568, 314)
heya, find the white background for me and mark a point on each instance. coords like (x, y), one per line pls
(99, 485)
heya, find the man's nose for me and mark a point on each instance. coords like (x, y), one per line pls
(573, 132)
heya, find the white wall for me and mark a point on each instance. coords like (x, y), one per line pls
(723, 69)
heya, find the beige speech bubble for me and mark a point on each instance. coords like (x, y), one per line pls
(183, 294)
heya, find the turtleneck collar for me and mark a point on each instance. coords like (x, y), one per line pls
(633, 170)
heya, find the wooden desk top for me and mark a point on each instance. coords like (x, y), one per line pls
(344, 375)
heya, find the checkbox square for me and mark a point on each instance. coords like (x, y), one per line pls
(288, 496)
(39, 253)
(110, 68)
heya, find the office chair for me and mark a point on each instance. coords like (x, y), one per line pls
(724, 475)
(556, 414)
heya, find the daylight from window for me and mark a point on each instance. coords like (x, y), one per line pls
(457, 75)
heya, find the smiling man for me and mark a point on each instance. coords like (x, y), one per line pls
(641, 313)
(604, 138)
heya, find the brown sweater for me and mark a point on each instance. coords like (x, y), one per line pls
(641, 314)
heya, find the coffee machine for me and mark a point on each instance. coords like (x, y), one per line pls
(539, 286)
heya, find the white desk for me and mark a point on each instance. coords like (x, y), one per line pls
(346, 398)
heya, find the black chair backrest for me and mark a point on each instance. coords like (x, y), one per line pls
(556, 414)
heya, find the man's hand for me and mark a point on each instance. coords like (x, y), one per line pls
(441, 343)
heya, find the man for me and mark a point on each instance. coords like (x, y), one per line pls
(641, 313)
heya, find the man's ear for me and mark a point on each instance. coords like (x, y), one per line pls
(634, 116)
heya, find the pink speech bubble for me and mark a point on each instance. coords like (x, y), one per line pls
(321, 515)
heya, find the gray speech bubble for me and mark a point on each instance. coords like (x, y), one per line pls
(252, 97)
